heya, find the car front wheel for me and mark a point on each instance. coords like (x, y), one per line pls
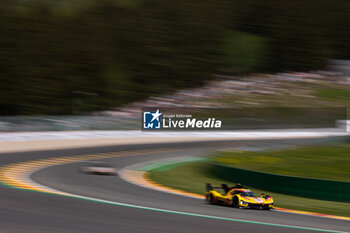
(235, 202)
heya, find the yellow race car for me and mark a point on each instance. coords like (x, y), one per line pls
(237, 196)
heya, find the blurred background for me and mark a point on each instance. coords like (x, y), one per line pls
(94, 64)
(110, 57)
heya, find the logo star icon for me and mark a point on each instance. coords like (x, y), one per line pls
(156, 115)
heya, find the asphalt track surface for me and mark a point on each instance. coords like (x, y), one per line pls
(25, 211)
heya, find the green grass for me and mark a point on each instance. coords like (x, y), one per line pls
(297, 94)
(333, 93)
(323, 162)
(193, 177)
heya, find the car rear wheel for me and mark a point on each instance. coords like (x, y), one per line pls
(211, 199)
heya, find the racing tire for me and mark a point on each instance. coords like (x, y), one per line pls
(266, 208)
(235, 202)
(211, 199)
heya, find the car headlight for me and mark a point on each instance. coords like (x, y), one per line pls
(243, 202)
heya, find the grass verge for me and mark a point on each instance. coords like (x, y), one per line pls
(323, 162)
(193, 177)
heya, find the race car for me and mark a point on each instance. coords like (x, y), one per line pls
(99, 169)
(237, 196)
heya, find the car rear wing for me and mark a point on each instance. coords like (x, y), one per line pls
(224, 187)
(209, 187)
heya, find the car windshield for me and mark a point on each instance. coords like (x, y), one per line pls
(247, 194)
